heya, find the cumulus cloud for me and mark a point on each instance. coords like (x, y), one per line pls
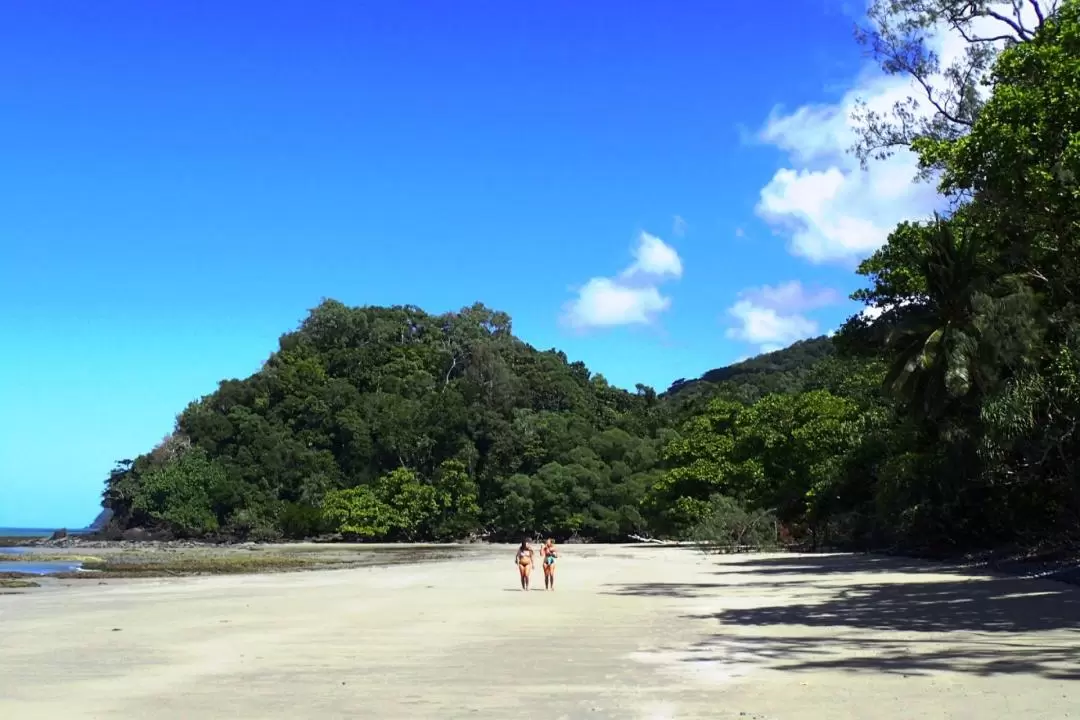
(603, 302)
(871, 312)
(633, 297)
(791, 297)
(768, 328)
(654, 258)
(831, 209)
(828, 207)
(772, 316)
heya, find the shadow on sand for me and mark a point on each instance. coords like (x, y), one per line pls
(924, 618)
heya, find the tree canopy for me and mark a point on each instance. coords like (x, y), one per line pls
(392, 423)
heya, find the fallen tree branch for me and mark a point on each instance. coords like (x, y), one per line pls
(654, 541)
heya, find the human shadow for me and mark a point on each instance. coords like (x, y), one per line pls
(519, 590)
(911, 622)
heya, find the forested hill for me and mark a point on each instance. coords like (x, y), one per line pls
(393, 423)
(947, 422)
(787, 370)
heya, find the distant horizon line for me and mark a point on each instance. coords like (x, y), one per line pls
(100, 520)
(46, 528)
(51, 528)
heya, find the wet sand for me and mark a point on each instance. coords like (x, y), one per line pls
(631, 632)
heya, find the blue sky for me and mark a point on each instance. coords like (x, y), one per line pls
(181, 181)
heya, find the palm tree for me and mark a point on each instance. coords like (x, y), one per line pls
(936, 340)
(966, 329)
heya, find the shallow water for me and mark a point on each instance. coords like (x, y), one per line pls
(376, 556)
(39, 568)
(401, 556)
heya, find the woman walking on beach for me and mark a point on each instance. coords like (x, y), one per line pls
(524, 560)
(549, 553)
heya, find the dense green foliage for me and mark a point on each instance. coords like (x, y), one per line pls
(947, 421)
(392, 423)
(784, 371)
(979, 314)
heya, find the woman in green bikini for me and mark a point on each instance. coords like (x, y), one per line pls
(548, 555)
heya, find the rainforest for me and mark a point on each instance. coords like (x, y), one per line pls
(944, 417)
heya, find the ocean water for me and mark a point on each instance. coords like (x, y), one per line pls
(12, 532)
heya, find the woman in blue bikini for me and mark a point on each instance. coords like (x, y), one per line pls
(549, 554)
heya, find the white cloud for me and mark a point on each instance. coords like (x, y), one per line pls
(830, 208)
(631, 298)
(826, 205)
(603, 302)
(790, 297)
(871, 312)
(766, 327)
(771, 317)
(653, 256)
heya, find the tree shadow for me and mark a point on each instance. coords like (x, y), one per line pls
(988, 605)
(841, 563)
(910, 623)
(907, 657)
(671, 590)
(1062, 566)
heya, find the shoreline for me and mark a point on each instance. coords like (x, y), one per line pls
(45, 565)
(117, 559)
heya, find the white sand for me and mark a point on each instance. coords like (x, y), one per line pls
(631, 633)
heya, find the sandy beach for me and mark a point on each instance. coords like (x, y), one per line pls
(631, 632)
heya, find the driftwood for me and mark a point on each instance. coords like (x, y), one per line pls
(654, 541)
(706, 546)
